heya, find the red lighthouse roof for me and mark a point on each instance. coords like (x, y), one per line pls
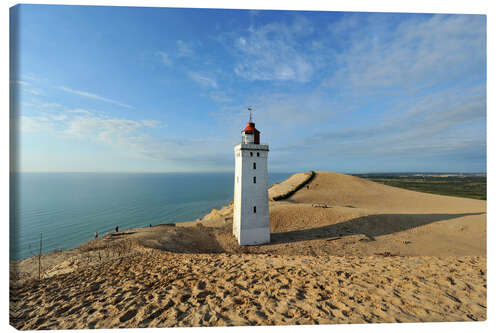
(250, 129)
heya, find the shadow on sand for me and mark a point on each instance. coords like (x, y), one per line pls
(371, 226)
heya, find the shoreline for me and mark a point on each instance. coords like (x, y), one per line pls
(126, 231)
(292, 184)
(20, 250)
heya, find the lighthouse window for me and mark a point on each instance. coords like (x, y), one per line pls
(254, 165)
(258, 154)
(251, 154)
(254, 180)
(255, 209)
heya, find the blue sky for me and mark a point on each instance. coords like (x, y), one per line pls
(166, 90)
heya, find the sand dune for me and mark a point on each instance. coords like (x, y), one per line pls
(289, 185)
(375, 254)
(165, 289)
(349, 191)
(366, 218)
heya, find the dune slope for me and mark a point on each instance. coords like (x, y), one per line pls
(161, 289)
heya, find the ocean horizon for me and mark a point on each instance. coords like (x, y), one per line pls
(69, 207)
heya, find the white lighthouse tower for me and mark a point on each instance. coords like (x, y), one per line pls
(251, 207)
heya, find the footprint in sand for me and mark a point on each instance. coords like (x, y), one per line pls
(128, 315)
(201, 285)
(185, 297)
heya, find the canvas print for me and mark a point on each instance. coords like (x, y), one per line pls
(219, 167)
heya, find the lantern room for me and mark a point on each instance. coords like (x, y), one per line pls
(250, 134)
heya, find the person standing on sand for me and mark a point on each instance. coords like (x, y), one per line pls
(116, 228)
(96, 235)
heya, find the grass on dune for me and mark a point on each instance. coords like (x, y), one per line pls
(469, 186)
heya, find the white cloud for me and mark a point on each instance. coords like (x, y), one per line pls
(275, 52)
(104, 129)
(219, 96)
(451, 121)
(80, 111)
(50, 105)
(281, 117)
(203, 79)
(94, 96)
(30, 77)
(152, 123)
(344, 26)
(19, 82)
(34, 91)
(295, 110)
(418, 52)
(59, 117)
(184, 49)
(165, 58)
(127, 137)
(34, 124)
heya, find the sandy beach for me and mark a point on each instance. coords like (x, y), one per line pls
(343, 250)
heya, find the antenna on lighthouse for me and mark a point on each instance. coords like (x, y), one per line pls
(250, 110)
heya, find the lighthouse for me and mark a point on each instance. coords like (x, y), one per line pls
(251, 207)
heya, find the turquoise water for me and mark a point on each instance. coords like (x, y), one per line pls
(68, 208)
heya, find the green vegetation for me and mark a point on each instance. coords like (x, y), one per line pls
(467, 186)
(291, 192)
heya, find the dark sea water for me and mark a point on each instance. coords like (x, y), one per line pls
(68, 208)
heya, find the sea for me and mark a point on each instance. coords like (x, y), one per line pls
(66, 209)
